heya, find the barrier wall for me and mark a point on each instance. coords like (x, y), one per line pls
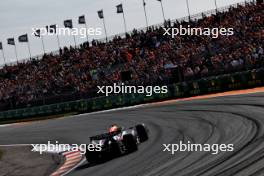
(221, 83)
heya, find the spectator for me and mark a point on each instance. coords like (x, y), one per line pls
(149, 55)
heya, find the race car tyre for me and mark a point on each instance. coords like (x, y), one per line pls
(142, 133)
(130, 143)
(93, 157)
(114, 149)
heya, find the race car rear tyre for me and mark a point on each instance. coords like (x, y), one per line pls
(130, 143)
(93, 157)
(142, 133)
(115, 149)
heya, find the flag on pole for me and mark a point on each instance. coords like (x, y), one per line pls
(68, 24)
(11, 41)
(119, 8)
(100, 14)
(52, 28)
(81, 19)
(37, 33)
(1, 46)
(23, 38)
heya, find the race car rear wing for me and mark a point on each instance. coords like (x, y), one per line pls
(105, 135)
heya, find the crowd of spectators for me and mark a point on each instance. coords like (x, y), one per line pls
(149, 55)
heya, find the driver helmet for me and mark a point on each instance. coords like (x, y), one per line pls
(113, 128)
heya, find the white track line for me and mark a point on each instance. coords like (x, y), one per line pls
(15, 145)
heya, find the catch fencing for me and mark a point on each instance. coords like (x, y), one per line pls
(240, 80)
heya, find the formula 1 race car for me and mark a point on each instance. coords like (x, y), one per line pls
(116, 142)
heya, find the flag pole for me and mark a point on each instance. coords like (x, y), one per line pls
(216, 8)
(146, 18)
(3, 55)
(105, 30)
(86, 31)
(58, 40)
(124, 19)
(188, 8)
(43, 46)
(162, 10)
(74, 41)
(16, 52)
(29, 51)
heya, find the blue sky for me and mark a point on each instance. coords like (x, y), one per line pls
(19, 16)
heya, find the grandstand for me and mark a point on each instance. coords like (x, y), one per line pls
(142, 57)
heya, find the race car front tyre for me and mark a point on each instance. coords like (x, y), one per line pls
(130, 143)
(142, 133)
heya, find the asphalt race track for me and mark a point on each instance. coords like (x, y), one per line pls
(238, 120)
